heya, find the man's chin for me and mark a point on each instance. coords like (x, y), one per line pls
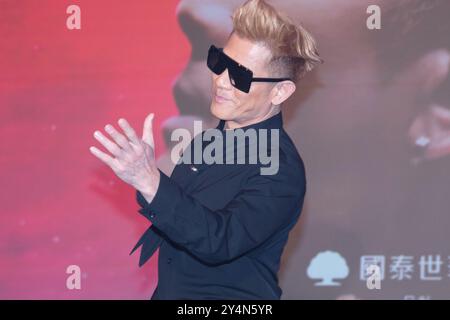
(219, 112)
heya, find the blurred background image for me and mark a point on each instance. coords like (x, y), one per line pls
(372, 125)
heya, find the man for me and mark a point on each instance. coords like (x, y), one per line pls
(222, 227)
(374, 127)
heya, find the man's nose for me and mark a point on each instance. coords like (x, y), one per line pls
(223, 80)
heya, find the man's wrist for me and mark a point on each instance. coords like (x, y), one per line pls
(150, 190)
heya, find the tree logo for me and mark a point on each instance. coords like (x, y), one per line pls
(328, 266)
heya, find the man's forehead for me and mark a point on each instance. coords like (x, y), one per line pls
(250, 55)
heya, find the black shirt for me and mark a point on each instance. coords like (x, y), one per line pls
(222, 228)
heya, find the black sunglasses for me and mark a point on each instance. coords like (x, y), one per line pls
(240, 77)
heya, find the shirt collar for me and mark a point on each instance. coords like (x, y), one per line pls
(274, 122)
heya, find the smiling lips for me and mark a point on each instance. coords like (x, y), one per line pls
(430, 131)
(220, 99)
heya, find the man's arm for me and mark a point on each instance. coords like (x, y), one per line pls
(265, 205)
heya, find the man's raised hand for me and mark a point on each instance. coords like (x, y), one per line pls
(133, 159)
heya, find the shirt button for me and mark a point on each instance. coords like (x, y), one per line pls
(152, 215)
(194, 169)
(169, 260)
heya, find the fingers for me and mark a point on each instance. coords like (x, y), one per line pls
(129, 131)
(102, 156)
(123, 143)
(118, 137)
(108, 144)
(147, 135)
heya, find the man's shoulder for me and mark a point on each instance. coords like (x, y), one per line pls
(287, 166)
(290, 158)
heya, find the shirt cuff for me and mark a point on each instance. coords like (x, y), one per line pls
(163, 203)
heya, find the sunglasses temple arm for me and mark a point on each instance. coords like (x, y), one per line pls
(269, 79)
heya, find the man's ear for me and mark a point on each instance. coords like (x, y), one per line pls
(282, 91)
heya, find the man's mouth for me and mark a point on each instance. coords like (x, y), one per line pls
(429, 134)
(220, 99)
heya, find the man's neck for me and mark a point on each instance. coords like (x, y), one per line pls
(230, 124)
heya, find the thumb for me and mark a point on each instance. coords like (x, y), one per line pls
(147, 135)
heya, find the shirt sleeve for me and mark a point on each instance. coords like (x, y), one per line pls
(266, 204)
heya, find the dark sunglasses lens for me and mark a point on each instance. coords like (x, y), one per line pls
(240, 78)
(215, 61)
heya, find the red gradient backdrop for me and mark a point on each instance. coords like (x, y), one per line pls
(61, 205)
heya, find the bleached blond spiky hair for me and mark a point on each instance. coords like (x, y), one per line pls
(294, 50)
